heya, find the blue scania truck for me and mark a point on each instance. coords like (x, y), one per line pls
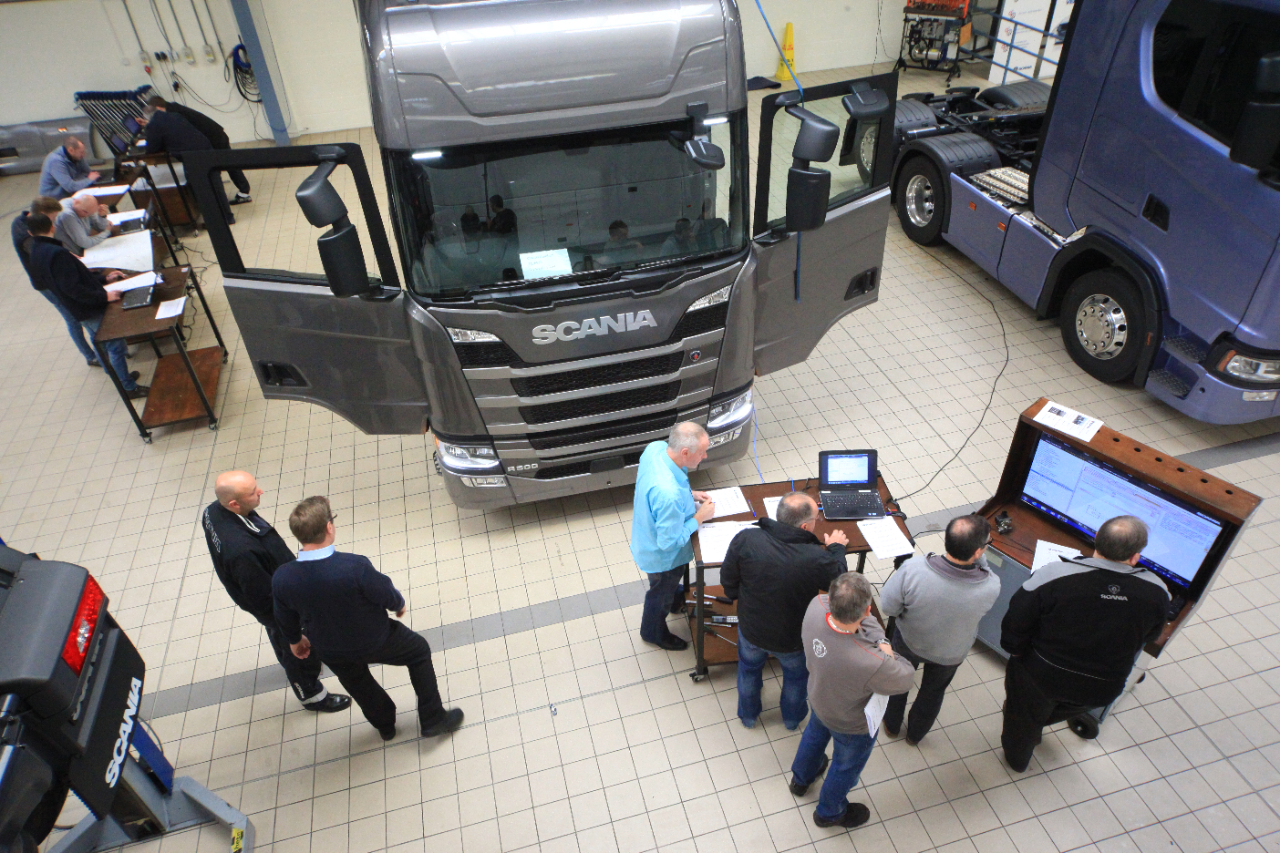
(1137, 200)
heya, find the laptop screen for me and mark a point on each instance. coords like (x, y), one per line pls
(847, 469)
(131, 125)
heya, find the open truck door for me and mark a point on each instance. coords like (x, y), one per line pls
(806, 282)
(322, 330)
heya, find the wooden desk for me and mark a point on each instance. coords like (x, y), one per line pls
(185, 383)
(718, 644)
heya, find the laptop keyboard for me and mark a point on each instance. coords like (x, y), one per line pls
(849, 504)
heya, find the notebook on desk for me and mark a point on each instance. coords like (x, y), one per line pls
(848, 485)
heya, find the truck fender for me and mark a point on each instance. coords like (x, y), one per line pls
(1097, 250)
(962, 153)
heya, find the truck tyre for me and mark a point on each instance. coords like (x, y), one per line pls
(921, 198)
(1103, 325)
(864, 149)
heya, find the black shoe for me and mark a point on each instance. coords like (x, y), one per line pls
(329, 704)
(231, 219)
(671, 643)
(388, 733)
(135, 375)
(800, 790)
(139, 392)
(240, 198)
(855, 814)
(451, 723)
(93, 362)
(892, 730)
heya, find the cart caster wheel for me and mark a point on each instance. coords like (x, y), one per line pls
(1084, 725)
(146, 439)
(698, 678)
(213, 427)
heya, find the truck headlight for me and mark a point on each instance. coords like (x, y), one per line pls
(484, 482)
(471, 336)
(721, 295)
(1261, 370)
(729, 412)
(467, 457)
(724, 437)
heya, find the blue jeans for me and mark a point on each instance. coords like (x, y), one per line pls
(795, 683)
(847, 760)
(115, 353)
(73, 325)
(658, 602)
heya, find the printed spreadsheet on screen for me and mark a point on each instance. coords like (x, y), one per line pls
(1083, 493)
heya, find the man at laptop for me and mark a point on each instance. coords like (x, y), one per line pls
(1074, 630)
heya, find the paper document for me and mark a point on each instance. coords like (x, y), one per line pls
(145, 280)
(1049, 552)
(876, 706)
(729, 501)
(171, 308)
(771, 506)
(884, 537)
(126, 252)
(126, 215)
(1068, 421)
(714, 539)
(115, 189)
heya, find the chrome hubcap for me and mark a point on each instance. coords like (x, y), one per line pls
(919, 201)
(867, 150)
(1101, 327)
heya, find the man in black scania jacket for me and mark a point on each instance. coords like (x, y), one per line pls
(246, 552)
(773, 572)
(1074, 630)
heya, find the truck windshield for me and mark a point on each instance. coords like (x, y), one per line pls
(569, 206)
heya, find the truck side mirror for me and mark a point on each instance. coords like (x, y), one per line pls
(1258, 134)
(704, 153)
(340, 252)
(809, 190)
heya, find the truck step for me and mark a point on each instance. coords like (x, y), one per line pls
(1006, 182)
(1169, 382)
(1185, 350)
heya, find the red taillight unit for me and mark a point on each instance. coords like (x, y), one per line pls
(83, 626)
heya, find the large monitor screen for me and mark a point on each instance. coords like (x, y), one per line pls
(1082, 492)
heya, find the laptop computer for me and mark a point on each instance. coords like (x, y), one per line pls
(848, 485)
(131, 225)
(139, 297)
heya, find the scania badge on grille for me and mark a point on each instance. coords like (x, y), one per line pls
(571, 330)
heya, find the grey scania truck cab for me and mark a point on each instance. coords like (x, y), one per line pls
(571, 197)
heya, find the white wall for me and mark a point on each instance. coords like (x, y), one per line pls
(54, 48)
(828, 33)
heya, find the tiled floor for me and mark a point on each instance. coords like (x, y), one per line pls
(579, 737)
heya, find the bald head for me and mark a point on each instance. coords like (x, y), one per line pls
(1121, 539)
(84, 205)
(238, 492)
(797, 510)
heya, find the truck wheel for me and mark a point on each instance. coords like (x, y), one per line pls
(921, 198)
(1103, 326)
(864, 146)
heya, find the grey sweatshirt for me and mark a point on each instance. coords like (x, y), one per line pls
(845, 669)
(75, 233)
(939, 605)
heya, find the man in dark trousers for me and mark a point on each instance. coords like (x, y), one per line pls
(22, 241)
(79, 290)
(335, 605)
(166, 131)
(213, 132)
(773, 572)
(246, 551)
(1074, 630)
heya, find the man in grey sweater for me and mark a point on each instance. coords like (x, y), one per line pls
(82, 224)
(938, 602)
(849, 661)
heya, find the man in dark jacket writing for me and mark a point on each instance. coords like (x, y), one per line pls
(773, 572)
(1074, 630)
(246, 551)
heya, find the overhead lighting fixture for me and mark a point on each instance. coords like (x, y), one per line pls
(428, 155)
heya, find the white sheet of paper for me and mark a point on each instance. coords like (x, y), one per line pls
(1069, 421)
(876, 706)
(1049, 552)
(546, 264)
(884, 537)
(145, 280)
(714, 539)
(171, 308)
(114, 189)
(771, 506)
(126, 252)
(126, 215)
(729, 501)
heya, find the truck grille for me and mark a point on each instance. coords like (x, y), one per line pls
(586, 407)
(574, 380)
(616, 429)
(574, 469)
(500, 355)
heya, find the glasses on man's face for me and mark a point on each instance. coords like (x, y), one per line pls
(333, 516)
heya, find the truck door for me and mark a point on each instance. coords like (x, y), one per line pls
(351, 354)
(839, 263)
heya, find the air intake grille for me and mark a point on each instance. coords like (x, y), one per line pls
(584, 408)
(574, 469)
(697, 322)
(616, 429)
(625, 371)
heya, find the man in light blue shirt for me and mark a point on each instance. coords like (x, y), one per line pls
(666, 513)
(66, 170)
